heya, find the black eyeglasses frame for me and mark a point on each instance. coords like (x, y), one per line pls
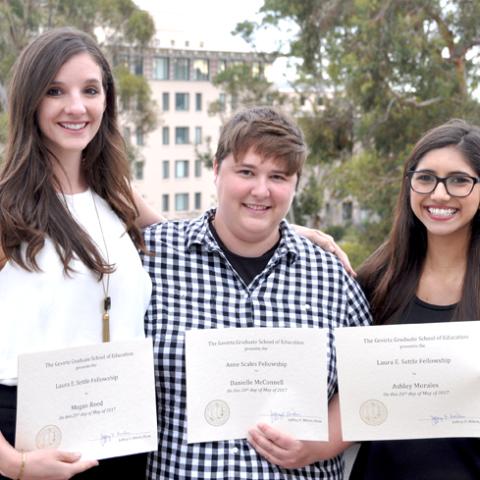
(443, 180)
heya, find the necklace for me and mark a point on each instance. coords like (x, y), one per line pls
(107, 301)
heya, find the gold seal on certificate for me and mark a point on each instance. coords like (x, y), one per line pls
(98, 400)
(49, 436)
(217, 413)
(373, 412)
(409, 381)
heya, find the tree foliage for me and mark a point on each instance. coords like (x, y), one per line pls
(116, 24)
(244, 87)
(389, 70)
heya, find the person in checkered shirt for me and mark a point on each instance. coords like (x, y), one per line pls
(241, 265)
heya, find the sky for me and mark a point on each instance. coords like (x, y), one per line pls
(207, 21)
(208, 24)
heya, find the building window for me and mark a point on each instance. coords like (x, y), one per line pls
(201, 69)
(222, 101)
(328, 212)
(234, 102)
(138, 170)
(182, 135)
(347, 211)
(121, 59)
(139, 136)
(198, 168)
(198, 135)
(198, 201)
(222, 66)
(257, 70)
(165, 169)
(181, 69)
(181, 168)
(165, 202)
(181, 202)
(198, 102)
(165, 101)
(165, 135)
(161, 68)
(137, 65)
(182, 101)
(127, 133)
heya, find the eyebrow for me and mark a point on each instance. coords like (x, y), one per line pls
(455, 172)
(87, 81)
(255, 167)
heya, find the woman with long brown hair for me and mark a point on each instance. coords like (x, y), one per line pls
(426, 271)
(69, 230)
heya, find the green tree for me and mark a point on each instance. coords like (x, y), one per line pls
(245, 86)
(119, 25)
(390, 70)
(242, 84)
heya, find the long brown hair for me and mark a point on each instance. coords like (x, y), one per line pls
(391, 274)
(30, 207)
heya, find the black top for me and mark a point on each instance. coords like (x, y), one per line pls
(247, 267)
(426, 459)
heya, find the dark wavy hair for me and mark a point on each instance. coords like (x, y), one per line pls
(391, 274)
(30, 206)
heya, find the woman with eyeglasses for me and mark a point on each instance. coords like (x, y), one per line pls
(428, 270)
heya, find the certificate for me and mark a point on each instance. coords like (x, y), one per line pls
(409, 381)
(237, 378)
(98, 400)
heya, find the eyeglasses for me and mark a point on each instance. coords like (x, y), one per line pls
(458, 185)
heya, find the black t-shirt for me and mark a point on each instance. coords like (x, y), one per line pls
(426, 459)
(247, 267)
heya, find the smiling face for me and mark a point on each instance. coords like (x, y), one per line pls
(254, 195)
(441, 213)
(70, 114)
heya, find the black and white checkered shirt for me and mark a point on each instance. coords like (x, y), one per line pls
(194, 286)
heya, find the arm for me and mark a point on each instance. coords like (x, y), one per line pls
(283, 450)
(40, 464)
(327, 243)
(146, 214)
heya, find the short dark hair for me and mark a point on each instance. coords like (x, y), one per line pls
(269, 132)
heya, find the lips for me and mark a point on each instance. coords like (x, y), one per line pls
(73, 126)
(442, 212)
(258, 208)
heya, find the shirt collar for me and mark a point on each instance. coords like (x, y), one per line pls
(199, 234)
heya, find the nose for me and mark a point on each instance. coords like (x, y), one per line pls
(440, 192)
(75, 104)
(260, 188)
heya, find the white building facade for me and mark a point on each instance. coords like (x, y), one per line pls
(170, 175)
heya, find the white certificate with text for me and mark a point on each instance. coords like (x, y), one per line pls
(238, 377)
(409, 381)
(98, 400)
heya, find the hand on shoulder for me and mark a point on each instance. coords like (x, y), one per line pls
(327, 242)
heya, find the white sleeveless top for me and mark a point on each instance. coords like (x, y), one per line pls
(49, 310)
